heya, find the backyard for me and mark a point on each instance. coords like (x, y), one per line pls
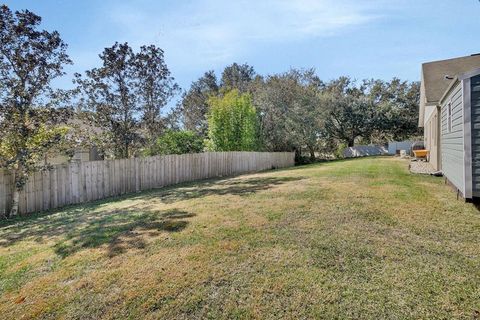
(343, 239)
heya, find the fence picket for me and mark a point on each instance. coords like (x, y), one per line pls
(79, 182)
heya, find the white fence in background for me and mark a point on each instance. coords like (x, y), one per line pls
(363, 151)
(395, 146)
(79, 182)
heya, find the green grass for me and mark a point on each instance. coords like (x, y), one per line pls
(345, 239)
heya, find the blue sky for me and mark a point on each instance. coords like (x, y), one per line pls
(358, 38)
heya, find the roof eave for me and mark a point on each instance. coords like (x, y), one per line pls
(421, 111)
(457, 80)
(469, 74)
(454, 82)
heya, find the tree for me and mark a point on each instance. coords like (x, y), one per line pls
(306, 119)
(193, 108)
(353, 113)
(350, 117)
(291, 111)
(178, 142)
(194, 105)
(237, 76)
(375, 111)
(397, 102)
(274, 98)
(29, 59)
(155, 88)
(232, 121)
(110, 92)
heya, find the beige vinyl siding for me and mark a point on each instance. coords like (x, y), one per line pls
(432, 138)
(475, 109)
(452, 141)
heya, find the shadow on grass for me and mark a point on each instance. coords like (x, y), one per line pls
(122, 231)
(92, 224)
(238, 187)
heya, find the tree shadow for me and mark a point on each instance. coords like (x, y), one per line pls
(89, 225)
(238, 187)
(45, 225)
(122, 231)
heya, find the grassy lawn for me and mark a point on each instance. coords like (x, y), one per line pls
(348, 239)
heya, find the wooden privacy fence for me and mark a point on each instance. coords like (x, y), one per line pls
(79, 182)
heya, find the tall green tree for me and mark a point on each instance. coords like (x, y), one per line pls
(232, 121)
(110, 93)
(155, 88)
(291, 111)
(350, 118)
(397, 101)
(237, 76)
(193, 108)
(30, 125)
(306, 120)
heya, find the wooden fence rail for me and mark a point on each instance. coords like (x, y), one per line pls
(79, 182)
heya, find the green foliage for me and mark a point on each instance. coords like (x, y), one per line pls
(29, 127)
(339, 150)
(351, 117)
(298, 112)
(108, 93)
(193, 108)
(35, 146)
(125, 96)
(375, 111)
(397, 102)
(292, 113)
(177, 142)
(155, 87)
(237, 76)
(233, 123)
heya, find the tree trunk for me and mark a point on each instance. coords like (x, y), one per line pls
(312, 153)
(298, 155)
(15, 198)
(351, 142)
(126, 151)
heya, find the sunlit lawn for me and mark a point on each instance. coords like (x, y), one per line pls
(347, 239)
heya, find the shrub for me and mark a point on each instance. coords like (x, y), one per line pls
(177, 142)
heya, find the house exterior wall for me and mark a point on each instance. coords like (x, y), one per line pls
(452, 141)
(475, 112)
(432, 139)
(428, 113)
(80, 155)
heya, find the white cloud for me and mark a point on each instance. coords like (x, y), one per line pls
(208, 33)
